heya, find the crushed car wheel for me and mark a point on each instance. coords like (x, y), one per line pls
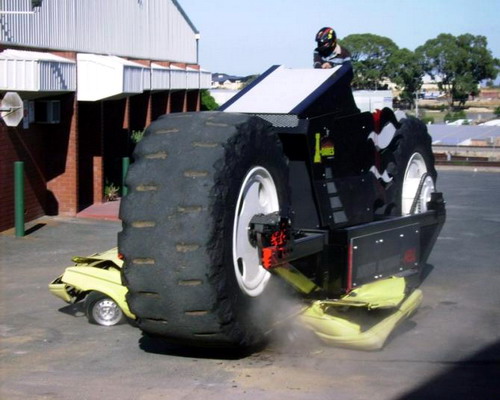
(102, 310)
(192, 274)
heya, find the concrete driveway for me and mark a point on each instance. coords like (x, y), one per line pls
(449, 350)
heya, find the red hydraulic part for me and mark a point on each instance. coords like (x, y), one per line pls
(376, 120)
(274, 242)
(272, 254)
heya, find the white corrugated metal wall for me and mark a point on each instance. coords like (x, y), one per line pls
(143, 29)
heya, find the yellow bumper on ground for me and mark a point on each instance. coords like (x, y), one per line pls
(59, 289)
(365, 320)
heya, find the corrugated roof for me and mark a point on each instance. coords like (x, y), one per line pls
(140, 29)
(457, 134)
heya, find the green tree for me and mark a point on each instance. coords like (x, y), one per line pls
(459, 63)
(406, 71)
(453, 116)
(249, 80)
(370, 56)
(208, 103)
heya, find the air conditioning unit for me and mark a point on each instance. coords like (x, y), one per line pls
(48, 111)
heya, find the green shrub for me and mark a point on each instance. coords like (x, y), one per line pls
(427, 119)
(453, 116)
(136, 136)
(208, 103)
(111, 192)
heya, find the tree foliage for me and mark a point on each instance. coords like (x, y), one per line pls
(458, 63)
(208, 103)
(406, 71)
(370, 56)
(376, 59)
(249, 80)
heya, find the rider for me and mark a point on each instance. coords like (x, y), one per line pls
(329, 53)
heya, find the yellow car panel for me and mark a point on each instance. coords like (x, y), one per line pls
(342, 323)
(99, 272)
(58, 289)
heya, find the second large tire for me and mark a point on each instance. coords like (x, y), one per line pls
(410, 162)
(197, 179)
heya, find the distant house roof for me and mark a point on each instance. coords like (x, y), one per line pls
(429, 79)
(493, 122)
(455, 135)
(221, 78)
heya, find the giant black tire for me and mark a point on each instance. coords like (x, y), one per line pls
(180, 223)
(409, 157)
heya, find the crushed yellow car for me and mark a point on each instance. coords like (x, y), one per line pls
(364, 318)
(96, 279)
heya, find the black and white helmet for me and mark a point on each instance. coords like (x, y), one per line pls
(326, 40)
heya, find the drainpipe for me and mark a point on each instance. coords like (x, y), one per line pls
(19, 198)
(197, 37)
(125, 166)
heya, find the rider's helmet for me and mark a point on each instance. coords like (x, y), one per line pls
(326, 39)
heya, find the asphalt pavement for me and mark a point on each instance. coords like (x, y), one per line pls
(450, 349)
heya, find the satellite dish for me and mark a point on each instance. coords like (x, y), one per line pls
(11, 109)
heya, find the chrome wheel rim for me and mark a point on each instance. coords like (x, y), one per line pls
(415, 170)
(258, 195)
(106, 312)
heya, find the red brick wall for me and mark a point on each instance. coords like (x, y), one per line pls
(52, 152)
(98, 180)
(66, 54)
(490, 93)
(6, 179)
(49, 152)
(62, 159)
(18, 144)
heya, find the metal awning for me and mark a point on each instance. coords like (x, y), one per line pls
(94, 77)
(33, 71)
(160, 77)
(110, 77)
(192, 78)
(177, 78)
(205, 79)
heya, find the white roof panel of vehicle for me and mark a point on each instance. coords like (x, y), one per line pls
(280, 90)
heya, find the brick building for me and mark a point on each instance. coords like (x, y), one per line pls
(89, 73)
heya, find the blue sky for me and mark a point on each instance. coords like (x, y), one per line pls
(244, 37)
